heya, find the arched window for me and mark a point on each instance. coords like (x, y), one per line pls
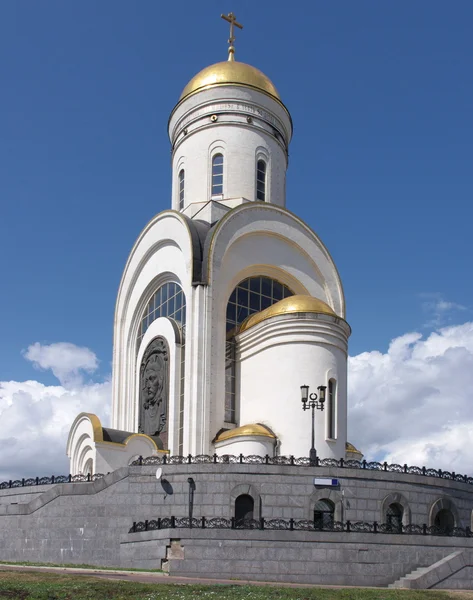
(323, 514)
(394, 516)
(181, 189)
(250, 296)
(332, 387)
(445, 520)
(261, 180)
(217, 174)
(168, 301)
(244, 509)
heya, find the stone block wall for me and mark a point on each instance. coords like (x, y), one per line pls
(85, 522)
(301, 557)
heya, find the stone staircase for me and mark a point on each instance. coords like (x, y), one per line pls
(424, 578)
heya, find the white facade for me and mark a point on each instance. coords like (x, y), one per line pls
(207, 245)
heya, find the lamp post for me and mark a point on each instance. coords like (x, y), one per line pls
(312, 401)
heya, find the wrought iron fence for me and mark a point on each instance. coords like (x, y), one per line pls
(228, 459)
(301, 462)
(16, 483)
(296, 525)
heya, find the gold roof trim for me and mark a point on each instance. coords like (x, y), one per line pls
(351, 448)
(293, 304)
(227, 73)
(244, 430)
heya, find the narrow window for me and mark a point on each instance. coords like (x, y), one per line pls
(323, 514)
(261, 180)
(217, 174)
(181, 189)
(394, 516)
(445, 521)
(331, 409)
(244, 507)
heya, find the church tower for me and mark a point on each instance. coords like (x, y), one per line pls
(228, 302)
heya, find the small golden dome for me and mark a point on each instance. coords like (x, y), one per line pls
(351, 448)
(293, 304)
(227, 73)
(254, 429)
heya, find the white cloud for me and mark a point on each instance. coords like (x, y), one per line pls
(35, 418)
(439, 311)
(413, 404)
(65, 360)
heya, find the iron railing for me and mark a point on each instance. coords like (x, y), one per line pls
(228, 459)
(301, 462)
(296, 525)
(16, 483)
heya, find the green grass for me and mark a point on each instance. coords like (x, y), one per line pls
(75, 566)
(49, 586)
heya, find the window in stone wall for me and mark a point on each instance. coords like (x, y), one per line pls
(394, 516)
(323, 514)
(445, 520)
(244, 509)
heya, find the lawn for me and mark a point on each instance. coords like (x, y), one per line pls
(48, 586)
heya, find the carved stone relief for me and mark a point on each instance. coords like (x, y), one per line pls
(154, 392)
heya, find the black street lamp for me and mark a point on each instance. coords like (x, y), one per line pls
(314, 402)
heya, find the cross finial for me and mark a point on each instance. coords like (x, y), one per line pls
(232, 20)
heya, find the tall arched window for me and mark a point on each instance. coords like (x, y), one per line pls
(250, 296)
(445, 520)
(394, 516)
(323, 514)
(244, 509)
(217, 174)
(181, 189)
(168, 301)
(332, 387)
(261, 180)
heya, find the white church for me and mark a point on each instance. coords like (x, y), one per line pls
(228, 302)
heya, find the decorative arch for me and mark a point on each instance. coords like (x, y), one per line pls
(246, 489)
(333, 496)
(443, 504)
(395, 498)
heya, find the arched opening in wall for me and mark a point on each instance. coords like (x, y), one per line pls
(324, 511)
(217, 175)
(181, 188)
(89, 467)
(250, 296)
(261, 180)
(445, 520)
(244, 509)
(169, 301)
(394, 515)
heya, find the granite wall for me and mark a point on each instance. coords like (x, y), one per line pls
(86, 522)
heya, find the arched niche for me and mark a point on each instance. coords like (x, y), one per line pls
(395, 499)
(330, 495)
(245, 489)
(443, 504)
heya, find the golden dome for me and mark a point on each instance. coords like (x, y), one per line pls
(254, 429)
(227, 73)
(351, 448)
(293, 304)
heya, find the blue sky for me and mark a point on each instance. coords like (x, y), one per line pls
(381, 96)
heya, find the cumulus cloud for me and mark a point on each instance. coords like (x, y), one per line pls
(412, 404)
(36, 418)
(66, 361)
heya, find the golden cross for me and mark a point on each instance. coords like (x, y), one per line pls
(232, 20)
